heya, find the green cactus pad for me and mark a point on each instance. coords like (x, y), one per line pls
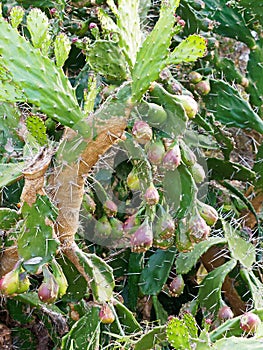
(126, 319)
(253, 8)
(86, 329)
(37, 128)
(16, 15)
(189, 50)
(62, 48)
(37, 24)
(230, 108)
(178, 334)
(101, 277)
(240, 249)
(153, 337)
(151, 57)
(152, 279)
(106, 58)
(10, 172)
(209, 295)
(186, 261)
(231, 22)
(254, 285)
(8, 218)
(42, 83)
(36, 245)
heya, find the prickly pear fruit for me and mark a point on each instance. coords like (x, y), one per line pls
(152, 113)
(225, 313)
(9, 283)
(151, 195)
(198, 230)
(172, 158)
(198, 172)
(110, 208)
(163, 243)
(48, 290)
(142, 239)
(89, 203)
(142, 132)
(176, 287)
(106, 315)
(60, 278)
(203, 87)
(133, 181)
(102, 227)
(208, 213)
(194, 77)
(116, 228)
(187, 154)
(155, 152)
(249, 322)
(131, 224)
(24, 283)
(189, 104)
(164, 227)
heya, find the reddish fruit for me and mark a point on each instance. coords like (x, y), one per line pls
(155, 152)
(48, 290)
(151, 195)
(142, 132)
(198, 230)
(194, 77)
(92, 25)
(249, 322)
(106, 315)
(172, 158)
(208, 213)
(176, 287)
(53, 11)
(225, 313)
(203, 87)
(110, 208)
(142, 239)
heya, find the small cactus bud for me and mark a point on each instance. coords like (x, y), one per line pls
(189, 104)
(155, 152)
(92, 25)
(133, 181)
(187, 154)
(9, 283)
(176, 287)
(110, 208)
(181, 22)
(172, 158)
(142, 132)
(53, 11)
(106, 315)
(194, 77)
(60, 278)
(142, 239)
(151, 195)
(89, 204)
(225, 313)
(203, 87)
(208, 213)
(249, 322)
(198, 172)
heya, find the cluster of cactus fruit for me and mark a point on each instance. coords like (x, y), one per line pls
(161, 96)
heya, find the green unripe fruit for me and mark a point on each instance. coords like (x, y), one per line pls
(208, 213)
(198, 172)
(155, 152)
(9, 283)
(24, 283)
(203, 87)
(194, 77)
(152, 113)
(189, 104)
